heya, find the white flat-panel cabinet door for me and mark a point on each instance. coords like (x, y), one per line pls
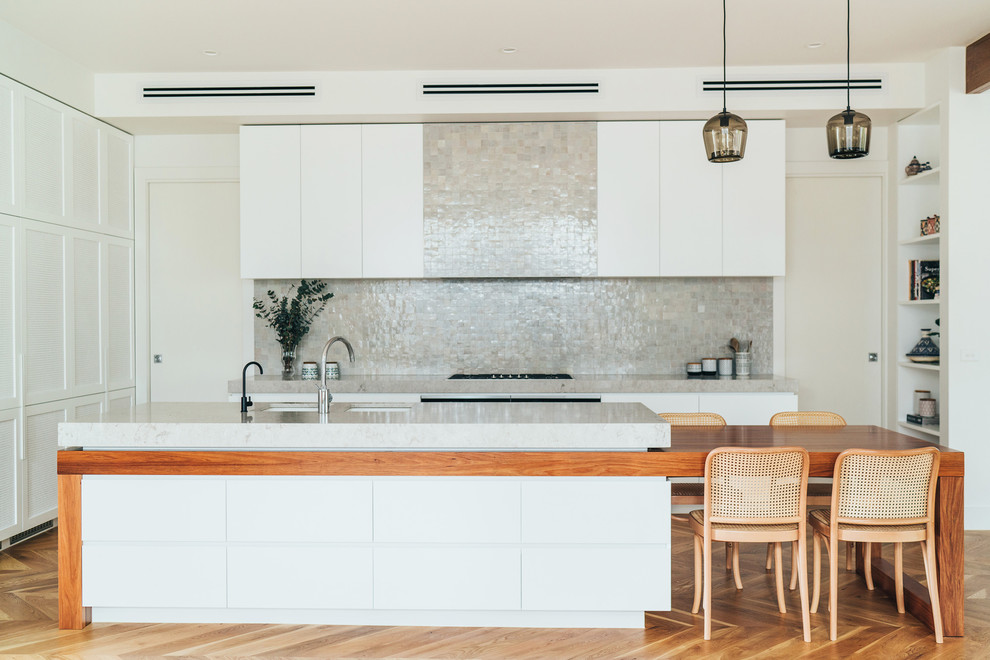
(86, 358)
(690, 203)
(270, 234)
(45, 311)
(392, 179)
(84, 185)
(658, 403)
(749, 408)
(40, 450)
(118, 213)
(44, 158)
(629, 199)
(331, 201)
(8, 180)
(10, 236)
(10, 477)
(753, 205)
(120, 313)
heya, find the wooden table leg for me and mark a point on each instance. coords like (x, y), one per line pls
(71, 613)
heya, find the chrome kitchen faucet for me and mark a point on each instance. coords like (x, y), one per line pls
(323, 397)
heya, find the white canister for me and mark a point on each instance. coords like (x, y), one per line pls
(725, 366)
(744, 363)
(333, 371)
(310, 371)
(694, 367)
(709, 365)
(918, 396)
(926, 407)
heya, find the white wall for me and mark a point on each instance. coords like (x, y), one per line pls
(36, 65)
(173, 158)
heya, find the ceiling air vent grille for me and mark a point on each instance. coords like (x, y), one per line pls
(509, 88)
(789, 85)
(229, 91)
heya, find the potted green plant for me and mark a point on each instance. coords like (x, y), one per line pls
(291, 318)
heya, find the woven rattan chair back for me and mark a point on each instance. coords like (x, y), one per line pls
(694, 419)
(807, 418)
(764, 486)
(892, 487)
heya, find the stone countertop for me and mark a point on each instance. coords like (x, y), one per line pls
(594, 384)
(416, 426)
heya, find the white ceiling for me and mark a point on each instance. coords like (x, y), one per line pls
(111, 36)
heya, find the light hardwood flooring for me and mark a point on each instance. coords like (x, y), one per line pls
(746, 623)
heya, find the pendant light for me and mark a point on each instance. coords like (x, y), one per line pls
(725, 133)
(849, 131)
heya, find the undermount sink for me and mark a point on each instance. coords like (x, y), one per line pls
(291, 407)
(378, 408)
(312, 408)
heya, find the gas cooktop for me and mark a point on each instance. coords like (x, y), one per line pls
(509, 376)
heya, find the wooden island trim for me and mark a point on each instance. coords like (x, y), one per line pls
(685, 458)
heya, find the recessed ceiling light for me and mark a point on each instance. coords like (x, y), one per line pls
(211, 53)
(816, 44)
(509, 51)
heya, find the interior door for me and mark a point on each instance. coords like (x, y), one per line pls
(833, 294)
(196, 293)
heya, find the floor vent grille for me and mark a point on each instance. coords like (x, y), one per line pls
(790, 85)
(510, 88)
(229, 91)
(28, 533)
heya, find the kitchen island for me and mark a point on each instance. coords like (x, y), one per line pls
(418, 514)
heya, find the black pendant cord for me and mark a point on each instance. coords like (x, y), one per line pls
(724, 105)
(848, 70)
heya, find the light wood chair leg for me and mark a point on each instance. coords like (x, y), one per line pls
(708, 586)
(816, 587)
(850, 555)
(928, 555)
(899, 576)
(833, 588)
(778, 574)
(769, 556)
(697, 575)
(735, 566)
(868, 567)
(802, 569)
(728, 555)
(794, 566)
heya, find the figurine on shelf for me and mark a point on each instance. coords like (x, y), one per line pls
(931, 225)
(913, 167)
(925, 166)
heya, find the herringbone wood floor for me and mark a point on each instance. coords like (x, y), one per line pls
(746, 623)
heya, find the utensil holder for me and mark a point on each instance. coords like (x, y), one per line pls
(744, 363)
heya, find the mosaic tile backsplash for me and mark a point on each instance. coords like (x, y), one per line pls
(579, 326)
(510, 200)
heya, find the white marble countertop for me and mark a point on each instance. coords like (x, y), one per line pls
(594, 384)
(371, 427)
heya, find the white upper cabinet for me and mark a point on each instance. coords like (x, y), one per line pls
(629, 199)
(118, 213)
(270, 202)
(84, 186)
(9, 258)
(392, 177)
(331, 201)
(690, 203)
(7, 160)
(44, 158)
(753, 204)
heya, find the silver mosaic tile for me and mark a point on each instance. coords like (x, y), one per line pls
(580, 326)
(511, 199)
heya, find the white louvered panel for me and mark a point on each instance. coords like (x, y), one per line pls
(120, 315)
(43, 166)
(85, 172)
(119, 183)
(44, 304)
(9, 497)
(40, 449)
(6, 147)
(88, 410)
(120, 401)
(8, 364)
(88, 340)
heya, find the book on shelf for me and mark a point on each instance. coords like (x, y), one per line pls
(923, 279)
(924, 421)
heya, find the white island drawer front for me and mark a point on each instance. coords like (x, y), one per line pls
(153, 509)
(753, 409)
(596, 510)
(299, 509)
(447, 510)
(599, 578)
(154, 575)
(447, 578)
(299, 577)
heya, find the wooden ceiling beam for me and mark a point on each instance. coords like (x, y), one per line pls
(978, 65)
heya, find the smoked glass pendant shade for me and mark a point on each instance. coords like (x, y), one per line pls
(725, 138)
(848, 135)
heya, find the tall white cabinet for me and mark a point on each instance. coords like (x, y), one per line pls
(66, 289)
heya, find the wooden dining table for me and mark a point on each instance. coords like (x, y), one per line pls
(684, 458)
